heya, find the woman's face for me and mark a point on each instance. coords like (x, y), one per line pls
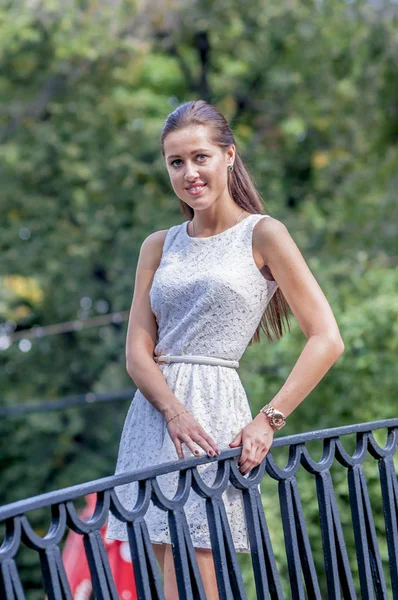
(198, 169)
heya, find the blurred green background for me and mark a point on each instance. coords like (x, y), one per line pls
(310, 89)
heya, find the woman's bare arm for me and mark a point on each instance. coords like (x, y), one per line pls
(140, 345)
(310, 307)
(142, 332)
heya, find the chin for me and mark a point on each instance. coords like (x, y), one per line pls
(200, 206)
(197, 203)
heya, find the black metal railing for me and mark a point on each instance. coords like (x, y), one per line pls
(303, 577)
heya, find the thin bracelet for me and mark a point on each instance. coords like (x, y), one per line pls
(180, 413)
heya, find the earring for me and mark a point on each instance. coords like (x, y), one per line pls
(230, 168)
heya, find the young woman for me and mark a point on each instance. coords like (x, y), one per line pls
(203, 289)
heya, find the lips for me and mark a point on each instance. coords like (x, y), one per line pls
(194, 190)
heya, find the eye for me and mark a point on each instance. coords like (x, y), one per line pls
(200, 157)
(173, 163)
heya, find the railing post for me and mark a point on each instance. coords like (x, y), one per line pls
(389, 490)
(368, 556)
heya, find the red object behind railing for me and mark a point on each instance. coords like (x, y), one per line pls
(76, 565)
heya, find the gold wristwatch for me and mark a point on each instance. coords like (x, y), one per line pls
(276, 418)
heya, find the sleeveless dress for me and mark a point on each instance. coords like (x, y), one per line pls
(208, 297)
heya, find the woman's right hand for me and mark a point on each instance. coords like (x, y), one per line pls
(185, 429)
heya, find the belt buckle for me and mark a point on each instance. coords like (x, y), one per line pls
(164, 359)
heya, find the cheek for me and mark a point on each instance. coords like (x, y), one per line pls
(176, 183)
(221, 175)
(173, 176)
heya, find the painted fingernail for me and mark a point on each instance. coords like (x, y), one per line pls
(238, 464)
(211, 452)
(196, 452)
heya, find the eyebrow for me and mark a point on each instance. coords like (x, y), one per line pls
(193, 152)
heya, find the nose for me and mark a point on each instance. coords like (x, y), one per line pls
(191, 172)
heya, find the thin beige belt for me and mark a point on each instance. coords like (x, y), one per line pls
(201, 360)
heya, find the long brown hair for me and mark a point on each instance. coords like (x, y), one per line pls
(198, 112)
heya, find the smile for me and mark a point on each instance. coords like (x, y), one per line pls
(196, 190)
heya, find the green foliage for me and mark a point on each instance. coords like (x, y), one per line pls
(309, 90)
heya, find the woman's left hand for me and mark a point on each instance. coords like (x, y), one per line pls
(256, 440)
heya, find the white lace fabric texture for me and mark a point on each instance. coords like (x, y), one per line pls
(208, 297)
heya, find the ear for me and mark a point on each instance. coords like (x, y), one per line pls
(230, 154)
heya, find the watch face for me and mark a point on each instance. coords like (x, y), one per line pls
(278, 418)
(278, 414)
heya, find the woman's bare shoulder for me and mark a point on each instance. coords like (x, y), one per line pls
(270, 226)
(269, 232)
(151, 249)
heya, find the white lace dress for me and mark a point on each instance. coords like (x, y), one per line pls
(208, 297)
